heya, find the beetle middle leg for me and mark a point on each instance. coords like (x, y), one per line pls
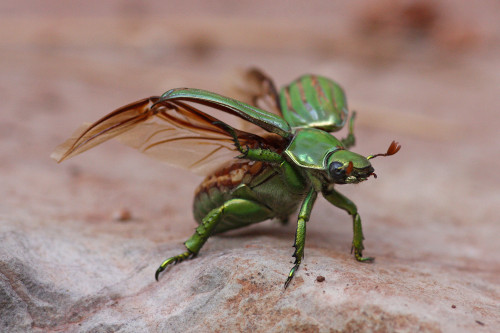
(344, 203)
(242, 210)
(300, 234)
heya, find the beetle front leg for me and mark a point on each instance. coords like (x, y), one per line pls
(300, 234)
(253, 154)
(350, 140)
(344, 203)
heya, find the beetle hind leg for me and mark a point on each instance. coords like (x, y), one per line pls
(196, 241)
(244, 210)
(350, 140)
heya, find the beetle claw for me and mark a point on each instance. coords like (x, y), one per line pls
(173, 260)
(359, 256)
(244, 152)
(291, 274)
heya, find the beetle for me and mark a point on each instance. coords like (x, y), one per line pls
(279, 168)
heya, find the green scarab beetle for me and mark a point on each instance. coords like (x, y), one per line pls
(280, 167)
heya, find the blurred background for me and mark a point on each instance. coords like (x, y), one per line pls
(425, 73)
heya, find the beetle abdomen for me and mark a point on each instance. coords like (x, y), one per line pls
(258, 182)
(218, 187)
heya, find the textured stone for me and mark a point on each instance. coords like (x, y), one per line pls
(430, 219)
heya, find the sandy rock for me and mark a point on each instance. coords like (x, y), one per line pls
(69, 264)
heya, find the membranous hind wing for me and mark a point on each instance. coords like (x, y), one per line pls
(172, 131)
(256, 88)
(111, 125)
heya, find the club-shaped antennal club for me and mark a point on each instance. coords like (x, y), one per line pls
(393, 149)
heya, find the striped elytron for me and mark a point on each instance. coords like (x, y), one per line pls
(281, 166)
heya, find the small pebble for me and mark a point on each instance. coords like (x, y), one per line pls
(122, 215)
(453, 306)
(320, 278)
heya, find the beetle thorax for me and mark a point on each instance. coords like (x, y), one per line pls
(310, 147)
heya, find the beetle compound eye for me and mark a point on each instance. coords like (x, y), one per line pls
(337, 170)
(336, 167)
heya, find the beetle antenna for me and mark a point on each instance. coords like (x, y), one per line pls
(393, 149)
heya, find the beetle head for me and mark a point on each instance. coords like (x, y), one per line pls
(346, 167)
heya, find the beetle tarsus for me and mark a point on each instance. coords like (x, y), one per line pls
(359, 256)
(243, 151)
(234, 136)
(172, 260)
(291, 274)
(364, 259)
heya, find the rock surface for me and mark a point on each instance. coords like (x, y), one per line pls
(431, 219)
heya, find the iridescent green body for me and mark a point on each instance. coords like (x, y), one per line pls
(275, 173)
(256, 182)
(314, 101)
